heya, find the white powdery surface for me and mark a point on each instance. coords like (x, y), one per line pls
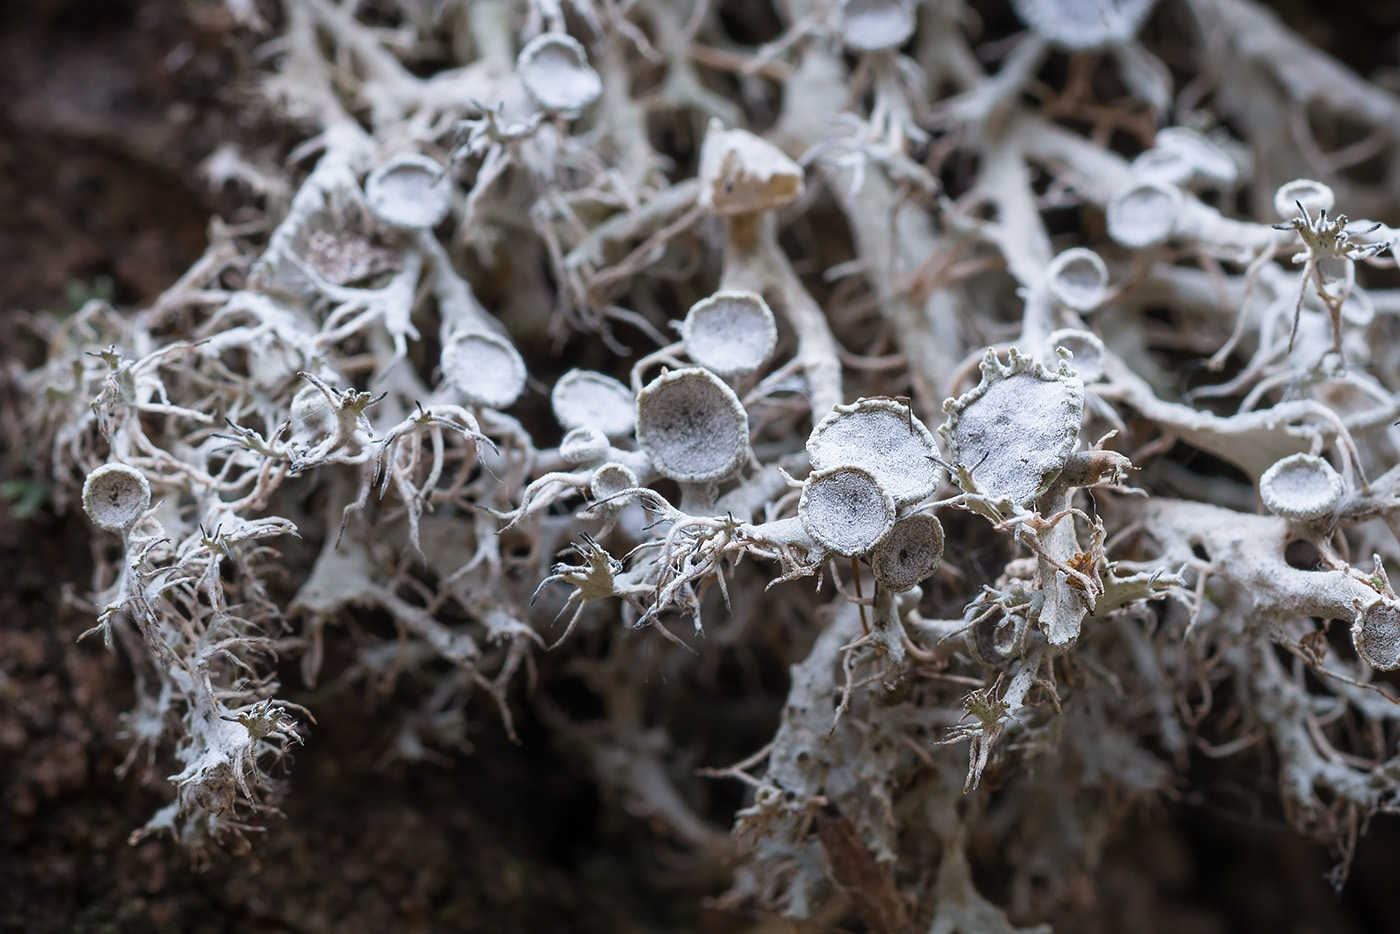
(883, 437)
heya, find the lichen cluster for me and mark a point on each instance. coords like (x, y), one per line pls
(598, 330)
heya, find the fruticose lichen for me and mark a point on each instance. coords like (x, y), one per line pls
(444, 362)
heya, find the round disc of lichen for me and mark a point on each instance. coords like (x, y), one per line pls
(1143, 214)
(1016, 428)
(582, 398)
(1315, 197)
(1301, 486)
(609, 480)
(1207, 160)
(1078, 279)
(1084, 24)
(730, 333)
(583, 445)
(845, 510)
(1086, 352)
(871, 25)
(486, 368)
(908, 553)
(1376, 635)
(411, 192)
(692, 426)
(883, 437)
(115, 496)
(554, 69)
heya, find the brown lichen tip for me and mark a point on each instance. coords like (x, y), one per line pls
(484, 367)
(585, 399)
(741, 173)
(908, 553)
(1376, 634)
(115, 496)
(554, 69)
(1016, 428)
(730, 333)
(692, 426)
(410, 191)
(883, 437)
(1301, 486)
(845, 510)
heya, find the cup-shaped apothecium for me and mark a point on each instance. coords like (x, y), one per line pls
(609, 480)
(1086, 352)
(881, 436)
(730, 333)
(845, 510)
(873, 25)
(410, 191)
(1207, 161)
(115, 496)
(908, 553)
(1167, 166)
(1078, 279)
(1016, 428)
(692, 426)
(582, 398)
(584, 446)
(1301, 486)
(1376, 634)
(554, 69)
(1084, 24)
(1315, 197)
(484, 367)
(1143, 214)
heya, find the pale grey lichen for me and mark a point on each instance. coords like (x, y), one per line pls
(908, 553)
(584, 445)
(410, 191)
(1078, 279)
(884, 437)
(1016, 428)
(115, 496)
(730, 333)
(692, 425)
(1207, 162)
(582, 398)
(845, 509)
(871, 25)
(1084, 24)
(331, 359)
(484, 368)
(1375, 631)
(609, 480)
(1301, 486)
(554, 69)
(1087, 352)
(1144, 214)
(741, 173)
